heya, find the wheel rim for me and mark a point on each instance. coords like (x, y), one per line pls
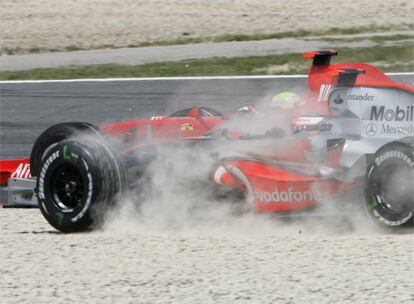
(67, 187)
(392, 191)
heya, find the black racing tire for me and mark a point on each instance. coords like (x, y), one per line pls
(390, 186)
(53, 135)
(79, 182)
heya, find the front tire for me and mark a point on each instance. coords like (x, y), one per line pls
(52, 136)
(78, 182)
(389, 188)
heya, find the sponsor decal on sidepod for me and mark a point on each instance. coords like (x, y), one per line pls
(396, 114)
(291, 195)
(390, 120)
(22, 171)
(187, 127)
(360, 97)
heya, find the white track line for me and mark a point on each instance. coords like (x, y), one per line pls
(157, 78)
(174, 78)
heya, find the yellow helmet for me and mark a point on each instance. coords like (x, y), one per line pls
(284, 100)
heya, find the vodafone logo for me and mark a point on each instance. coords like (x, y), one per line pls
(291, 195)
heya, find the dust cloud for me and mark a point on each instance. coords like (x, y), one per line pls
(176, 195)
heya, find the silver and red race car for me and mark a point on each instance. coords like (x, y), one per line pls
(353, 133)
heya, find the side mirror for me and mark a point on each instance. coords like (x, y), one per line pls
(194, 112)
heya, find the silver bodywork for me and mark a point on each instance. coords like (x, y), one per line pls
(369, 118)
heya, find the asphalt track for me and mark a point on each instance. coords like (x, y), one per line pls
(26, 109)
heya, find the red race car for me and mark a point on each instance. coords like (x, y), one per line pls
(354, 131)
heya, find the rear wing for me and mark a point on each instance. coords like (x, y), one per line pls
(321, 58)
(323, 75)
(346, 77)
(349, 77)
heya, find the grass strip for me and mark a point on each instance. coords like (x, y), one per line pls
(389, 59)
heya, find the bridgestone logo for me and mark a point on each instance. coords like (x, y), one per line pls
(288, 196)
(392, 223)
(397, 114)
(394, 154)
(50, 160)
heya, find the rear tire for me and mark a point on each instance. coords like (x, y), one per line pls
(78, 182)
(389, 188)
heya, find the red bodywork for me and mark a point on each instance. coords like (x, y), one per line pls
(155, 129)
(277, 183)
(271, 183)
(14, 168)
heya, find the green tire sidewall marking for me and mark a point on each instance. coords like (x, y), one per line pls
(66, 153)
(59, 216)
(374, 202)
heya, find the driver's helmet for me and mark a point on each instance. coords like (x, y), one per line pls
(246, 110)
(284, 100)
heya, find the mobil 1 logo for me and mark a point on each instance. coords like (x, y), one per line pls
(385, 121)
(398, 113)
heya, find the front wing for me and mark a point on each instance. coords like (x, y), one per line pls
(16, 184)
